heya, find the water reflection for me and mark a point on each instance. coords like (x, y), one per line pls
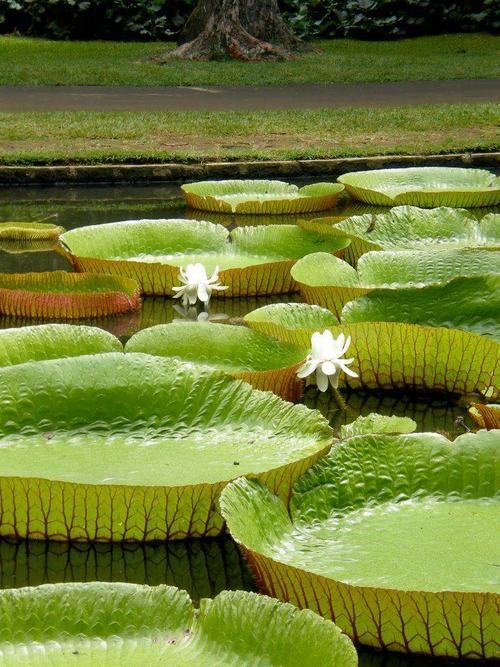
(369, 658)
(202, 567)
(430, 414)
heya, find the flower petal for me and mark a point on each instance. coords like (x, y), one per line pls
(321, 380)
(328, 367)
(308, 367)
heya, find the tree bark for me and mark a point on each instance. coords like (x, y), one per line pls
(241, 29)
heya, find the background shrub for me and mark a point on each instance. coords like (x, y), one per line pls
(162, 19)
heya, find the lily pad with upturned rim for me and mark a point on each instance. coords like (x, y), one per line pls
(395, 356)
(426, 187)
(471, 304)
(112, 625)
(130, 447)
(29, 232)
(253, 261)
(379, 537)
(53, 341)
(330, 282)
(413, 228)
(59, 294)
(245, 354)
(261, 197)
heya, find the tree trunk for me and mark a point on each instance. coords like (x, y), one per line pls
(241, 29)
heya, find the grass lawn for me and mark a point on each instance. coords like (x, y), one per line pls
(26, 61)
(80, 137)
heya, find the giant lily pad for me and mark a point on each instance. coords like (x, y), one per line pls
(29, 231)
(424, 186)
(117, 447)
(330, 282)
(252, 260)
(124, 624)
(389, 535)
(248, 355)
(409, 227)
(472, 304)
(390, 355)
(58, 294)
(53, 341)
(260, 197)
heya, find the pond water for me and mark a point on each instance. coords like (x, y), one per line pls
(203, 567)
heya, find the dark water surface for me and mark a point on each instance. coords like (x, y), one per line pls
(202, 567)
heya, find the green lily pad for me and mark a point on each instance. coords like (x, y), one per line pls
(29, 231)
(253, 261)
(391, 536)
(330, 282)
(115, 447)
(63, 295)
(471, 304)
(412, 228)
(390, 355)
(53, 341)
(260, 197)
(247, 355)
(426, 187)
(125, 624)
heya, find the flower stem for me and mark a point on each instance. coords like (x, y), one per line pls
(337, 397)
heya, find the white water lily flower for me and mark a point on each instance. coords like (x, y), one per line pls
(197, 285)
(326, 359)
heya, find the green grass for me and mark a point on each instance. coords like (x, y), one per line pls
(36, 62)
(80, 137)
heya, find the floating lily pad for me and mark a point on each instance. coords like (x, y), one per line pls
(29, 231)
(58, 294)
(390, 355)
(247, 355)
(253, 261)
(115, 447)
(53, 341)
(290, 322)
(471, 304)
(112, 625)
(391, 536)
(21, 247)
(427, 187)
(261, 197)
(412, 228)
(330, 282)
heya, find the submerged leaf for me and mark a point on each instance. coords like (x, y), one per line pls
(426, 187)
(62, 295)
(380, 536)
(111, 625)
(141, 447)
(257, 261)
(248, 355)
(260, 197)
